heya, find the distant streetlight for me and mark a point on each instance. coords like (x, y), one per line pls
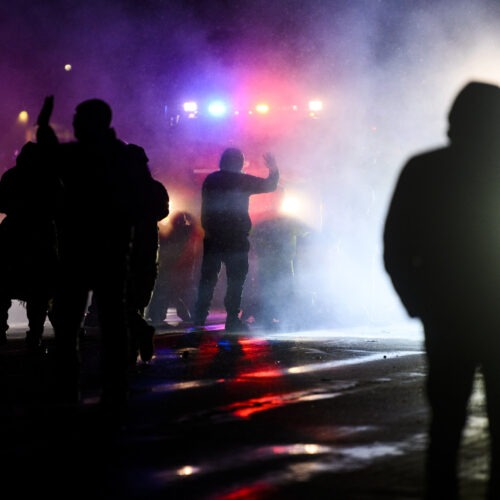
(23, 117)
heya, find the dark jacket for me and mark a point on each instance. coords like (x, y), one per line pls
(442, 232)
(30, 197)
(225, 202)
(108, 191)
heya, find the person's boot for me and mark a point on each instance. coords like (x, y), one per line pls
(183, 311)
(199, 320)
(234, 324)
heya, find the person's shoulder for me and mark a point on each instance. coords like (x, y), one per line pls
(135, 149)
(131, 150)
(214, 176)
(431, 159)
(9, 174)
(430, 156)
(422, 167)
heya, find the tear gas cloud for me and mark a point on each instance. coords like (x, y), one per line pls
(387, 72)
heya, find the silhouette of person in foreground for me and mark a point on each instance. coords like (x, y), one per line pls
(28, 252)
(143, 267)
(108, 192)
(441, 250)
(226, 222)
(178, 255)
(144, 272)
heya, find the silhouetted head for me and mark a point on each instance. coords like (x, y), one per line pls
(475, 114)
(232, 159)
(181, 219)
(182, 222)
(92, 120)
(29, 155)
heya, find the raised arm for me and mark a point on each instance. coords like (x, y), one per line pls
(45, 134)
(270, 162)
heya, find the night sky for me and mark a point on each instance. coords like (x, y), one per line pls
(386, 69)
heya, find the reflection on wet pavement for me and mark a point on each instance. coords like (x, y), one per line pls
(345, 362)
(303, 415)
(303, 460)
(254, 376)
(246, 408)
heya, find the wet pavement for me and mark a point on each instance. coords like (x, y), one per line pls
(320, 414)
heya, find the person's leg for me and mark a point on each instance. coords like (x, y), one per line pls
(451, 370)
(286, 306)
(5, 304)
(111, 276)
(182, 309)
(210, 269)
(141, 336)
(36, 311)
(68, 310)
(91, 318)
(236, 270)
(182, 293)
(265, 313)
(140, 288)
(115, 341)
(157, 308)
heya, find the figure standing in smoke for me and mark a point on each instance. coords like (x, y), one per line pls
(226, 221)
(441, 250)
(108, 195)
(275, 242)
(178, 256)
(29, 197)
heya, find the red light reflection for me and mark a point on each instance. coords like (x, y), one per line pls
(253, 492)
(243, 364)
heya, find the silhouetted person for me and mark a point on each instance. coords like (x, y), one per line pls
(226, 222)
(144, 271)
(178, 255)
(108, 191)
(275, 242)
(28, 252)
(442, 251)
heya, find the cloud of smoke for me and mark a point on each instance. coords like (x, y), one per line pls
(387, 72)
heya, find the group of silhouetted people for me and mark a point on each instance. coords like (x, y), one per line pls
(81, 220)
(82, 217)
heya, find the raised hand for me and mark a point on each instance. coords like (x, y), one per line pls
(270, 161)
(46, 112)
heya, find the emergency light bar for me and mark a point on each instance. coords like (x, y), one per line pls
(224, 109)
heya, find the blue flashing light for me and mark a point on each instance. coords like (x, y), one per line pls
(217, 108)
